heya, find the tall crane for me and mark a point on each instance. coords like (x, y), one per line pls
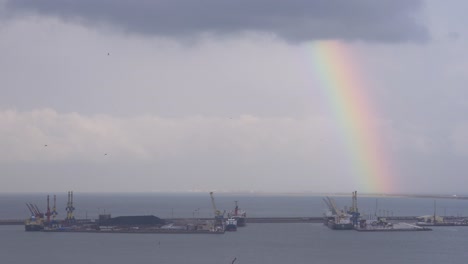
(41, 215)
(219, 216)
(354, 207)
(48, 213)
(354, 211)
(332, 206)
(70, 218)
(31, 210)
(54, 209)
(34, 210)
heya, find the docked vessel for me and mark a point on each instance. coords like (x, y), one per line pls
(231, 225)
(238, 215)
(36, 221)
(34, 224)
(338, 219)
(342, 222)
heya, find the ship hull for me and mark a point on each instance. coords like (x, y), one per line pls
(231, 228)
(335, 226)
(241, 221)
(33, 228)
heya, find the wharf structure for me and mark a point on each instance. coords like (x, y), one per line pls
(338, 219)
(343, 219)
(252, 220)
(39, 221)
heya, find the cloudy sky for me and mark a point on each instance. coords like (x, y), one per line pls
(180, 95)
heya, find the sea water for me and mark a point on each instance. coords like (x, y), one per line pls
(255, 243)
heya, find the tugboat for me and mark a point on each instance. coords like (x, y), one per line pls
(239, 215)
(231, 225)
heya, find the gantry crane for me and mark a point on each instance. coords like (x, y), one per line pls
(48, 213)
(354, 211)
(330, 202)
(34, 210)
(70, 218)
(219, 216)
(54, 209)
(33, 214)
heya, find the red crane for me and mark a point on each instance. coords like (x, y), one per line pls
(34, 210)
(31, 210)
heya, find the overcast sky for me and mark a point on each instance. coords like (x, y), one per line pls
(181, 95)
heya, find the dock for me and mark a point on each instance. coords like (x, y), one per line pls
(141, 231)
(398, 227)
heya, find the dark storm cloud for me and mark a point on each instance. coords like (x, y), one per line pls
(294, 20)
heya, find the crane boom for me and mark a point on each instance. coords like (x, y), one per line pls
(36, 212)
(328, 204)
(216, 211)
(335, 209)
(219, 217)
(30, 210)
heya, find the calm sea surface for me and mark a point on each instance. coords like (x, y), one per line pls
(255, 243)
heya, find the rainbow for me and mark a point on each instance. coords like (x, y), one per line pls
(343, 87)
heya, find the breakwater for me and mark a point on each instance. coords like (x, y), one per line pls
(11, 222)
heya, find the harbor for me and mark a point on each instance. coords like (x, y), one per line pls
(334, 217)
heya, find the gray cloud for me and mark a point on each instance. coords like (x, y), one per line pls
(249, 107)
(248, 151)
(294, 20)
(152, 149)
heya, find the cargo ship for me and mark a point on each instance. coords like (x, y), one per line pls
(338, 219)
(238, 215)
(341, 223)
(34, 224)
(36, 221)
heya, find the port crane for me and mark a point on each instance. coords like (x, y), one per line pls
(34, 210)
(70, 217)
(48, 213)
(31, 210)
(354, 211)
(219, 216)
(330, 202)
(54, 209)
